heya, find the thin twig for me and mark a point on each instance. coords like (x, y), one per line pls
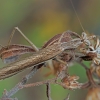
(91, 79)
(48, 91)
(9, 99)
(19, 85)
(83, 65)
(89, 75)
(85, 85)
(51, 81)
(68, 96)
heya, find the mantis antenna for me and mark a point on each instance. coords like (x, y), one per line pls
(77, 16)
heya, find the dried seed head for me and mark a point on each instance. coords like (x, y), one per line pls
(70, 82)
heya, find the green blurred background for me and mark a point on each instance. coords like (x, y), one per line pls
(39, 20)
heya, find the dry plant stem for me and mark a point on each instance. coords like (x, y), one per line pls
(54, 81)
(82, 64)
(85, 85)
(89, 75)
(68, 96)
(50, 81)
(48, 91)
(19, 85)
(91, 79)
(9, 99)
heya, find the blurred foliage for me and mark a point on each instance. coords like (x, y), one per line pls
(40, 20)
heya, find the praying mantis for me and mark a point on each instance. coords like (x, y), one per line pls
(40, 56)
(57, 49)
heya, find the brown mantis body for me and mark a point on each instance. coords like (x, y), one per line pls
(55, 48)
(12, 53)
(50, 50)
(39, 57)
